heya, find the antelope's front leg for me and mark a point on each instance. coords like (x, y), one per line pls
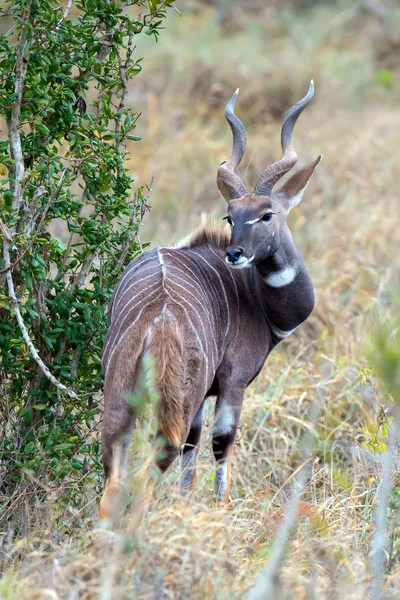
(190, 452)
(227, 413)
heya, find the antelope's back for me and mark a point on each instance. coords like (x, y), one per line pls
(137, 300)
(187, 286)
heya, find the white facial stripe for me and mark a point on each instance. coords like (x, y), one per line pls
(282, 277)
(253, 221)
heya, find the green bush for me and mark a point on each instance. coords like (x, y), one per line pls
(69, 221)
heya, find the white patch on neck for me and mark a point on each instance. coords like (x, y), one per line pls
(282, 277)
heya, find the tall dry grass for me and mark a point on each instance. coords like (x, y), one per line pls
(348, 230)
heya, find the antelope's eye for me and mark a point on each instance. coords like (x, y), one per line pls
(266, 217)
(228, 219)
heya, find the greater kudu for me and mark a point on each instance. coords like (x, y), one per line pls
(209, 312)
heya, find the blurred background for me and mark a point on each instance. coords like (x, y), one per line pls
(270, 50)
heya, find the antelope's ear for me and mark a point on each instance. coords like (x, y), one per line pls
(292, 191)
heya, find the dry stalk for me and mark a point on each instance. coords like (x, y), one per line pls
(266, 582)
(380, 538)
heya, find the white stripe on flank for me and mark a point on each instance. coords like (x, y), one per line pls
(282, 277)
(120, 296)
(127, 306)
(187, 280)
(200, 284)
(208, 281)
(128, 329)
(223, 291)
(172, 283)
(125, 276)
(129, 271)
(198, 339)
(139, 262)
(236, 292)
(205, 274)
(201, 323)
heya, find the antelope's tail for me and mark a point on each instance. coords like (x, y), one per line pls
(165, 346)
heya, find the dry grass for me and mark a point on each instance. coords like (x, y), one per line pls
(347, 228)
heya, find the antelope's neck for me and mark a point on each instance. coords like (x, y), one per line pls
(284, 288)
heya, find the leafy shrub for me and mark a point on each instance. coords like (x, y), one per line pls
(68, 220)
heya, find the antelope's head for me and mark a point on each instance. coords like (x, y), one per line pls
(258, 219)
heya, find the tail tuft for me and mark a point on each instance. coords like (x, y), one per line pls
(165, 346)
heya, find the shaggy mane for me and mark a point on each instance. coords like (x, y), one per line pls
(211, 232)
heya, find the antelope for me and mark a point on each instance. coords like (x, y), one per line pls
(209, 311)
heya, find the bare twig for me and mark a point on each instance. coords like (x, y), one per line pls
(124, 82)
(38, 194)
(13, 124)
(23, 329)
(66, 12)
(83, 272)
(7, 236)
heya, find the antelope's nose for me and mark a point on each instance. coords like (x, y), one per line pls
(233, 255)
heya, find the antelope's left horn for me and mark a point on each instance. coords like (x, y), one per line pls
(230, 183)
(274, 172)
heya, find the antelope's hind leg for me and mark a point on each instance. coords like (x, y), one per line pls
(115, 444)
(190, 452)
(227, 413)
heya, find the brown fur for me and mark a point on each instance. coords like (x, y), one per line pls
(165, 346)
(210, 232)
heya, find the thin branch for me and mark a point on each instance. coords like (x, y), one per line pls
(84, 271)
(24, 331)
(38, 194)
(13, 124)
(30, 220)
(122, 75)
